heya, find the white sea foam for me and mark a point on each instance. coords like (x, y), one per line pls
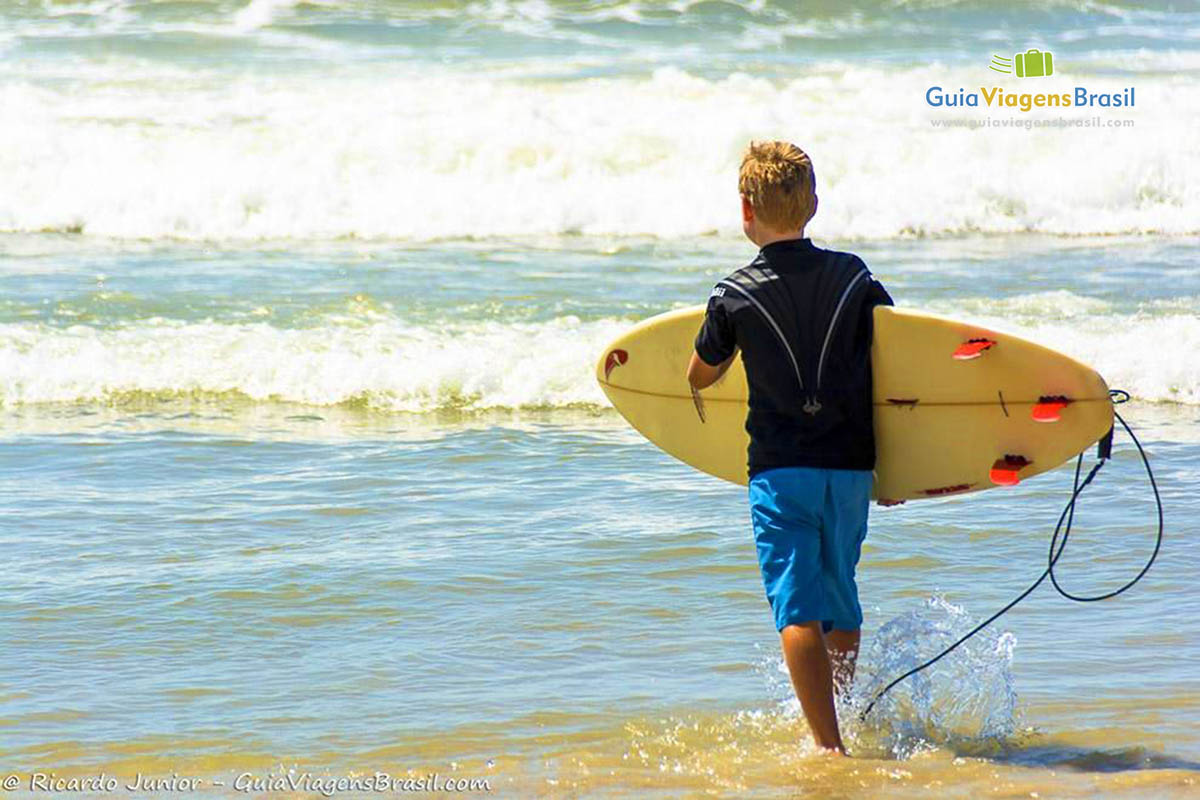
(259, 13)
(390, 365)
(1058, 304)
(386, 365)
(1153, 358)
(128, 152)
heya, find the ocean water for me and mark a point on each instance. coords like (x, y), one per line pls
(303, 465)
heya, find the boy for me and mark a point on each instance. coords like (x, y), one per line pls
(802, 318)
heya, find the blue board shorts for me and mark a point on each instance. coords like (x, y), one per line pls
(809, 525)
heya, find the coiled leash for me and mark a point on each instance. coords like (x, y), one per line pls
(1056, 548)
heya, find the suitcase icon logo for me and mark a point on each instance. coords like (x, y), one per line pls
(1032, 63)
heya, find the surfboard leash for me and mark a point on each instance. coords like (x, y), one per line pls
(1118, 396)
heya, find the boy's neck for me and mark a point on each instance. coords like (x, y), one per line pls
(765, 238)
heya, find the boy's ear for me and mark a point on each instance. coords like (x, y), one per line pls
(747, 210)
(816, 201)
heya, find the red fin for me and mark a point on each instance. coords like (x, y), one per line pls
(1048, 407)
(1005, 471)
(972, 348)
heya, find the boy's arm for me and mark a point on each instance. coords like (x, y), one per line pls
(701, 374)
(715, 345)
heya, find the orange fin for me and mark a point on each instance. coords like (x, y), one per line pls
(1005, 471)
(973, 348)
(1048, 408)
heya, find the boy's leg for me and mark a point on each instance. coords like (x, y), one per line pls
(812, 678)
(785, 508)
(843, 653)
(846, 510)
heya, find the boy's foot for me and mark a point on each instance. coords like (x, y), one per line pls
(832, 752)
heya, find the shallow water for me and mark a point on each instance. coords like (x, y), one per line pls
(230, 589)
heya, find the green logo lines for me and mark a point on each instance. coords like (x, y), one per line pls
(1030, 64)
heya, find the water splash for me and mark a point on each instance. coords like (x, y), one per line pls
(966, 702)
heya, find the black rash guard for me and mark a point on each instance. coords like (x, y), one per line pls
(802, 317)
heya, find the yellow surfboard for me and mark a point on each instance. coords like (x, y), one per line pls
(958, 407)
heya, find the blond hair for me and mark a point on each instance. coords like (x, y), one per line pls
(777, 179)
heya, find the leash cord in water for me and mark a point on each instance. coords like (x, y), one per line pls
(1055, 552)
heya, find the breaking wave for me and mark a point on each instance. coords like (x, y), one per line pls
(388, 364)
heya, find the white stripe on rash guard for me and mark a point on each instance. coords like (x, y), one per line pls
(774, 326)
(832, 322)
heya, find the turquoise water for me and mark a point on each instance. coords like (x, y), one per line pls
(304, 463)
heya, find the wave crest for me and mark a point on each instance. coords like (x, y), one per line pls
(389, 365)
(391, 155)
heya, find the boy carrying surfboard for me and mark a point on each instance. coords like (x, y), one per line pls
(802, 318)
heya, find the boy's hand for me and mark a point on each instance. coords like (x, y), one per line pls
(886, 502)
